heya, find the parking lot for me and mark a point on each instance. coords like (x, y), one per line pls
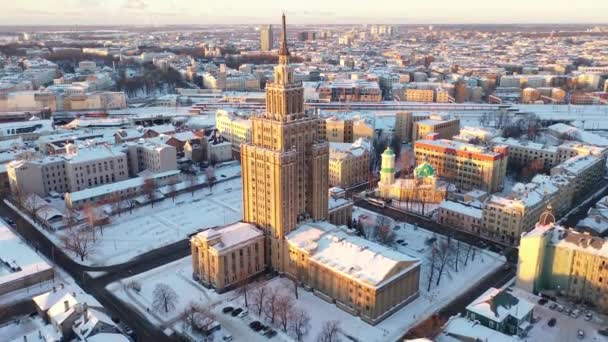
(566, 327)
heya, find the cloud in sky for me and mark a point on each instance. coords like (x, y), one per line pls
(300, 12)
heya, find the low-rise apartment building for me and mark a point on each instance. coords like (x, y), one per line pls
(468, 166)
(79, 169)
(348, 163)
(226, 256)
(445, 126)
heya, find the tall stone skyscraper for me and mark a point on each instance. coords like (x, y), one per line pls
(266, 38)
(285, 167)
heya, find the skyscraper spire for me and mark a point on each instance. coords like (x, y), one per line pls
(283, 51)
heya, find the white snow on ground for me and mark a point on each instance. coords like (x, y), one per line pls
(178, 276)
(148, 228)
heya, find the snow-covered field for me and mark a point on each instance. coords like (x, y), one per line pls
(178, 276)
(147, 228)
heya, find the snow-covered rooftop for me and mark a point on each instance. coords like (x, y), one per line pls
(354, 257)
(230, 236)
(498, 304)
(17, 257)
(461, 208)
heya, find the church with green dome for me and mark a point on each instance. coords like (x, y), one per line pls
(424, 170)
(421, 186)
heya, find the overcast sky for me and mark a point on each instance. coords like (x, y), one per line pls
(160, 12)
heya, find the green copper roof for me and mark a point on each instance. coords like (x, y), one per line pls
(424, 170)
(389, 152)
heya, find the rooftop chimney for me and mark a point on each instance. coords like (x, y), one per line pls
(66, 305)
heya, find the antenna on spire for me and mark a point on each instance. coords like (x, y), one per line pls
(283, 51)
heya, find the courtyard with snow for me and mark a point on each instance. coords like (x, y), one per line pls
(169, 220)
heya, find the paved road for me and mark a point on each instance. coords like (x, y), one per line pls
(96, 287)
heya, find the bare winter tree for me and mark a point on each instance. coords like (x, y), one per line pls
(149, 190)
(192, 182)
(385, 235)
(116, 203)
(172, 189)
(330, 332)
(432, 266)
(210, 177)
(93, 218)
(444, 253)
(70, 218)
(79, 241)
(299, 324)
(243, 289)
(258, 298)
(406, 162)
(197, 317)
(270, 305)
(284, 309)
(164, 298)
(34, 205)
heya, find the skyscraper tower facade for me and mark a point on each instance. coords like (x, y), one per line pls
(285, 167)
(266, 38)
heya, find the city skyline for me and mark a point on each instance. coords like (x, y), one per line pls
(155, 12)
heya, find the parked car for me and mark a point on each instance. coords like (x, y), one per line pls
(243, 314)
(553, 306)
(603, 332)
(256, 325)
(399, 241)
(588, 316)
(227, 309)
(542, 301)
(227, 338)
(580, 334)
(236, 312)
(265, 329)
(9, 221)
(271, 333)
(575, 313)
(396, 227)
(559, 308)
(552, 322)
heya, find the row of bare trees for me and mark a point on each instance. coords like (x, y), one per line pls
(446, 255)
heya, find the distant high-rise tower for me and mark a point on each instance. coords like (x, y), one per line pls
(285, 167)
(266, 38)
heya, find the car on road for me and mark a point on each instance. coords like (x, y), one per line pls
(236, 312)
(552, 322)
(227, 309)
(542, 301)
(580, 334)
